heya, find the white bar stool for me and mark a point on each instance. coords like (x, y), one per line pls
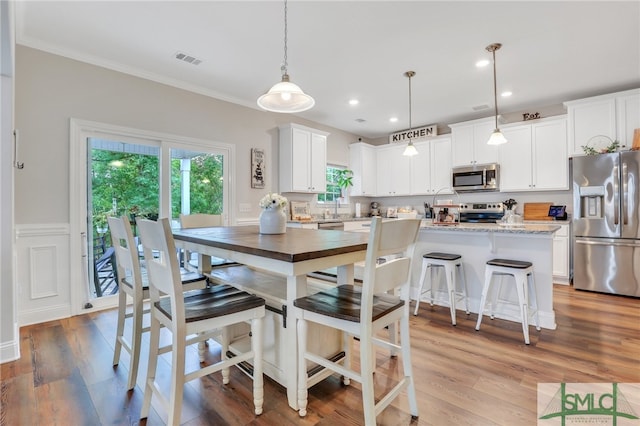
(451, 263)
(522, 273)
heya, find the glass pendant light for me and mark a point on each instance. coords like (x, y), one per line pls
(497, 138)
(285, 97)
(410, 150)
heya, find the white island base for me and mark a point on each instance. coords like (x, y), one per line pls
(478, 243)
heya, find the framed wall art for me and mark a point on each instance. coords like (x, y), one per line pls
(257, 168)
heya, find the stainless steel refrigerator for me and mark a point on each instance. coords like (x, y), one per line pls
(606, 224)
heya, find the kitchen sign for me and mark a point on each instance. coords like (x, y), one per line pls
(414, 134)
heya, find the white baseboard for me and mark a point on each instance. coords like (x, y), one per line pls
(10, 351)
(49, 313)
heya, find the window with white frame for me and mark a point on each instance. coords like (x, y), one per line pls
(333, 192)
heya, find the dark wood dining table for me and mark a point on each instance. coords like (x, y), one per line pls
(293, 255)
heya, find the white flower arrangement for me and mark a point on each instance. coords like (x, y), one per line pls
(273, 201)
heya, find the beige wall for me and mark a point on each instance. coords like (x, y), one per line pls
(52, 89)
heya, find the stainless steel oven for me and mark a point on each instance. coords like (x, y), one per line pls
(480, 177)
(481, 212)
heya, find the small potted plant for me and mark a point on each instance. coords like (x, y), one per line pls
(344, 179)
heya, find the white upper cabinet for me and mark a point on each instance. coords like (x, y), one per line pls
(615, 116)
(550, 155)
(535, 156)
(303, 159)
(515, 159)
(384, 171)
(469, 142)
(362, 161)
(627, 117)
(393, 171)
(431, 168)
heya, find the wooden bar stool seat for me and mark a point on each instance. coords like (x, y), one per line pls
(522, 273)
(452, 266)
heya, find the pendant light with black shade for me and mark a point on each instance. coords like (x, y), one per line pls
(410, 150)
(497, 138)
(285, 97)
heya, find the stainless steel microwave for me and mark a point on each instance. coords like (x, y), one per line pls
(480, 177)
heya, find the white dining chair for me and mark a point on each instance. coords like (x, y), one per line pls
(133, 283)
(364, 312)
(198, 313)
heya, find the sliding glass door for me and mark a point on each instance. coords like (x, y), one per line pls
(197, 182)
(120, 173)
(124, 180)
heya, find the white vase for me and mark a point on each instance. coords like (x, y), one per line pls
(273, 221)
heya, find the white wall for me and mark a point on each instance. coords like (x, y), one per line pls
(50, 90)
(9, 336)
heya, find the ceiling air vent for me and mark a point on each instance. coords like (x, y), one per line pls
(185, 57)
(480, 107)
(360, 120)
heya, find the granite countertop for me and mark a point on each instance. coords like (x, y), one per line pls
(340, 219)
(527, 228)
(549, 222)
(475, 227)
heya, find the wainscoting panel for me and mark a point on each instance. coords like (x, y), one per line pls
(42, 274)
(43, 270)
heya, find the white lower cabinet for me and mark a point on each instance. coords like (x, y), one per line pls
(561, 255)
(357, 225)
(302, 225)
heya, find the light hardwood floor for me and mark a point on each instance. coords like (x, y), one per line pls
(463, 376)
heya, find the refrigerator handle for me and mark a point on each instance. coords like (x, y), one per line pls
(625, 193)
(616, 192)
(608, 242)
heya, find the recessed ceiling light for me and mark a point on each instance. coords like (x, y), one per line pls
(393, 119)
(506, 94)
(354, 102)
(482, 63)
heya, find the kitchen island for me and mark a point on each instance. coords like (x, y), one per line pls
(478, 243)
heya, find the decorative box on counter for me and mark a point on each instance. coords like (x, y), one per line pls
(446, 214)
